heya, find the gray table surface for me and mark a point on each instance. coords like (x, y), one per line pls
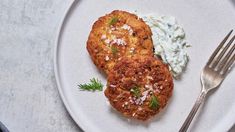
(29, 99)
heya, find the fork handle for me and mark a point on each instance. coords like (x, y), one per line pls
(191, 115)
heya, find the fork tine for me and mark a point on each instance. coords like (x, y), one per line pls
(226, 58)
(218, 48)
(217, 59)
(228, 65)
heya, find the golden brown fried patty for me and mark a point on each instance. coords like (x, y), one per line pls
(139, 87)
(116, 35)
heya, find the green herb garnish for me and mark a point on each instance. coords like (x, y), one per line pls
(114, 50)
(94, 84)
(154, 102)
(136, 91)
(113, 21)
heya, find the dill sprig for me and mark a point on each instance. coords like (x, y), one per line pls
(154, 103)
(114, 50)
(113, 21)
(135, 91)
(94, 84)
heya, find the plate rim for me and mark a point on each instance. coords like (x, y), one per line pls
(59, 32)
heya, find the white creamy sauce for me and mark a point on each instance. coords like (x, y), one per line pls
(169, 42)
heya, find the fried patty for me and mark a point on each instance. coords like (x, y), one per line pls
(139, 87)
(116, 35)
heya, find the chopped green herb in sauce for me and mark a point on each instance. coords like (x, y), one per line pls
(154, 102)
(94, 85)
(169, 42)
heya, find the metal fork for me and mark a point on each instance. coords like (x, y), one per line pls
(213, 74)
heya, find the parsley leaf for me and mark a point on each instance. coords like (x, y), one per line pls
(94, 84)
(136, 91)
(154, 103)
(113, 21)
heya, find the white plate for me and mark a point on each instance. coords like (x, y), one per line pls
(205, 22)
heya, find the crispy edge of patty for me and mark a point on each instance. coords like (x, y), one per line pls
(102, 55)
(122, 76)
